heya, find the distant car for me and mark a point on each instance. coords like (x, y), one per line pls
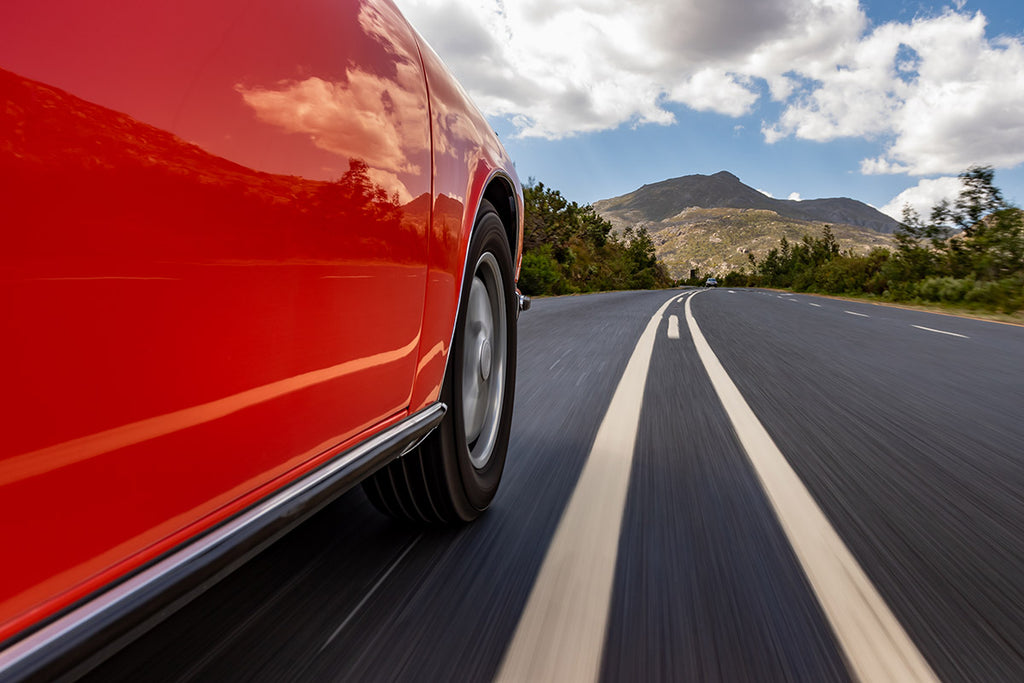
(711, 282)
(254, 255)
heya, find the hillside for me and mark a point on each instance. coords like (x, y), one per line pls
(715, 241)
(711, 223)
(658, 201)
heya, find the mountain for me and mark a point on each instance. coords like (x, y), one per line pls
(711, 223)
(715, 241)
(659, 201)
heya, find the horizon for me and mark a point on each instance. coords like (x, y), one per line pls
(882, 102)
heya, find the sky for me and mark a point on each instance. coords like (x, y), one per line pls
(885, 101)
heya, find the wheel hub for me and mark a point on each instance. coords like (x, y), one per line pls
(485, 359)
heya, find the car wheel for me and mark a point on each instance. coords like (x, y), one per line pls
(453, 475)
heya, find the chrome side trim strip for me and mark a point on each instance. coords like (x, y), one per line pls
(82, 637)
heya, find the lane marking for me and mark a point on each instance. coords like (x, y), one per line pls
(673, 327)
(560, 636)
(875, 645)
(732, 291)
(951, 334)
(862, 315)
(369, 595)
(816, 305)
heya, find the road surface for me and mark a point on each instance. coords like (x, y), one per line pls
(841, 497)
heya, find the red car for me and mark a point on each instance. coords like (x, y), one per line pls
(254, 254)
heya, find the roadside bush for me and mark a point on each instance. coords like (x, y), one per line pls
(645, 279)
(833, 277)
(989, 293)
(568, 248)
(1006, 295)
(539, 273)
(735, 279)
(946, 289)
(970, 252)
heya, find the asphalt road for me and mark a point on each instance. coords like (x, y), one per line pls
(906, 428)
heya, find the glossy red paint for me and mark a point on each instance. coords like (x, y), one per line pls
(468, 159)
(234, 237)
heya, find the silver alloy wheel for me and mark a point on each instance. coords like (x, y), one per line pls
(483, 360)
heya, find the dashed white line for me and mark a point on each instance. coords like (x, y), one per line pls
(951, 334)
(876, 646)
(862, 315)
(673, 327)
(815, 305)
(560, 636)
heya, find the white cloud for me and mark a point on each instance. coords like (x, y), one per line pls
(766, 193)
(794, 196)
(562, 67)
(880, 166)
(715, 90)
(935, 93)
(923, 196)
(959, 102)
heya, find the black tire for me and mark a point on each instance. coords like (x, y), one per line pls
(453, 475)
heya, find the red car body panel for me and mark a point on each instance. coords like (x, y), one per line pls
(234, 241)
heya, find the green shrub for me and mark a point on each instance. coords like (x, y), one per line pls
(568, 248)
(945, 289)
(539, 273)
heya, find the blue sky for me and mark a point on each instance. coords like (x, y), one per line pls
(882, 101)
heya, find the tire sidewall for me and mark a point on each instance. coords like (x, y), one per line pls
(480, 485)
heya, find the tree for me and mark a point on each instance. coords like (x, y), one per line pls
(970, 251)
(570, 248)
(978, 198)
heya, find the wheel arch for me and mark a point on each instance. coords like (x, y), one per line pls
(501, 193)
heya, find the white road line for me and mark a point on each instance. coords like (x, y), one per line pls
(373, 590)
(673, 327)
(732, 291)
(862, 315)
(560, 636)
(816, 305)
(875, 645)
(951, 334)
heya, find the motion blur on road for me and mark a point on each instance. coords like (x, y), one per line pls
(903, 427)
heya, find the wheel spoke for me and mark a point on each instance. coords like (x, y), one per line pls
(483, 361)
(474, 389)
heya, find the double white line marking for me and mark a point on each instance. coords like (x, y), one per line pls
(560, 636)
